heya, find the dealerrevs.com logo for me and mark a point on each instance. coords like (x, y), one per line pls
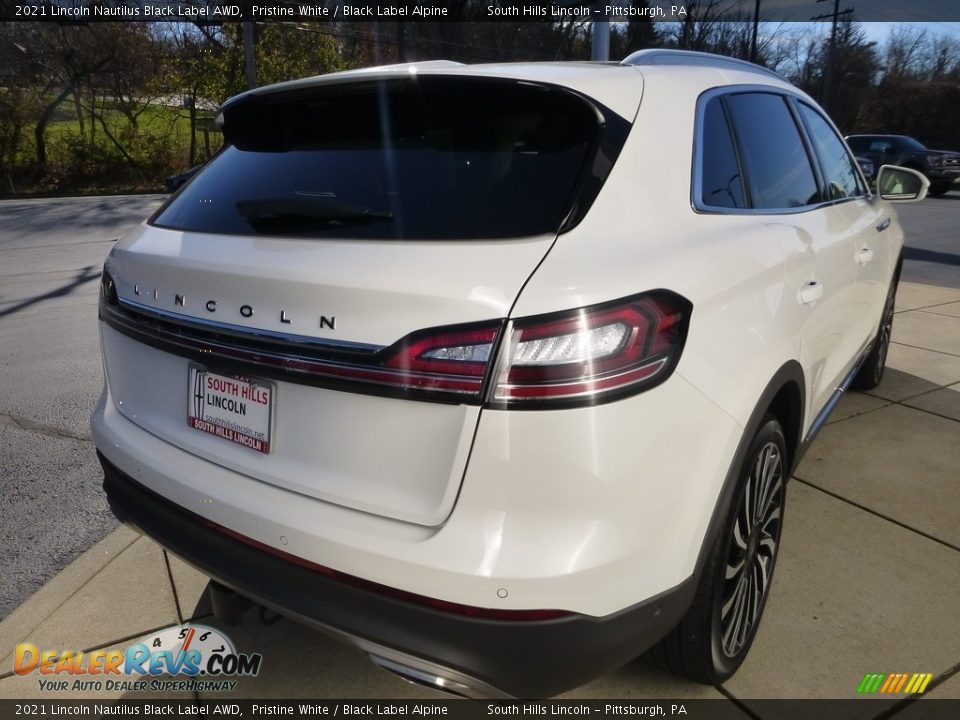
(188, 658)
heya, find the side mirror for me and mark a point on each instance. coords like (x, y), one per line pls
(900, 184)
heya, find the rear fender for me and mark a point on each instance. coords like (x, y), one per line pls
(789, 372)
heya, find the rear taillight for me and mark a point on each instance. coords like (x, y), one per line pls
(454, 360)
(593, 354)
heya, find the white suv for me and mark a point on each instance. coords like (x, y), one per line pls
(499, 371)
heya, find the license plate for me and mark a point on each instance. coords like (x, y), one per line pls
(232, 407)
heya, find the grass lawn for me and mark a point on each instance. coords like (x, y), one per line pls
(161, 130)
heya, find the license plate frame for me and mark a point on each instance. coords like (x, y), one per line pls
(233, 407)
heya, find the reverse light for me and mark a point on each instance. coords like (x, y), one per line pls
(592, 354)
(451, 360)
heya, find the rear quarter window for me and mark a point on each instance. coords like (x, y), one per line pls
(721, 184)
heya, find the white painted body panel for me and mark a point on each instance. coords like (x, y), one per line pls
(377, 291)
(534, 515)
(873, 276)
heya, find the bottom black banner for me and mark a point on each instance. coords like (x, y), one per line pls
(718, 709)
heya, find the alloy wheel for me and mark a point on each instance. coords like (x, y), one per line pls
(752, 550)
(886, 332)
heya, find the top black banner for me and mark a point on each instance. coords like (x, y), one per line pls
(212, 12)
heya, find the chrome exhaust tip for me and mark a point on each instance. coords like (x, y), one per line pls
(437, 678)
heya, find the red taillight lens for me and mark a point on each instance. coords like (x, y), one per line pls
(592, 354)
(454, 361)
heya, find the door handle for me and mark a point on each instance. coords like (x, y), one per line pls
(864, 256)
(884, 225)
(811, 292)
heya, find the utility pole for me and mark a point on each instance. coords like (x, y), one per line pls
(826, 92)
(753, 37)
(249, 56)
(600, 44)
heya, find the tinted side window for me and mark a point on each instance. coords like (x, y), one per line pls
(882, 146)
(859, 144)
(836, 165)
(720, 181)
(774, 158)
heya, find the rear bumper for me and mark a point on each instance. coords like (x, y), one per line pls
(473, 656)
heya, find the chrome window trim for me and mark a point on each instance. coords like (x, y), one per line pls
(696, 184)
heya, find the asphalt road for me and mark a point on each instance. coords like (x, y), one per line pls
(51, 506)
(51, 252)
(932, 253)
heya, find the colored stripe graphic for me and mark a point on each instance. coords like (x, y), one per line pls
(927, 677)
(894, 683)
(871, 682)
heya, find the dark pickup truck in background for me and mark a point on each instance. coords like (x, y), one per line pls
(941, 167)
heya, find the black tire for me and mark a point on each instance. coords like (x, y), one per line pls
(715, 636)
(938, 189)
(871, 373)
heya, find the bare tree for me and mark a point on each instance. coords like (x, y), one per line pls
(903, 50)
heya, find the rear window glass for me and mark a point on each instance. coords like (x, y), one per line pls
(418, 158)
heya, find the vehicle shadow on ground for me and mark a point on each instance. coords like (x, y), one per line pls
(912, 253)
(82, 215)
(82, 277)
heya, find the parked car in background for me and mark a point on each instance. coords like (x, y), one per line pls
(499, 371)
(941, 167)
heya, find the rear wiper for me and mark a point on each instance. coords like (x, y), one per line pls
(309, 208)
